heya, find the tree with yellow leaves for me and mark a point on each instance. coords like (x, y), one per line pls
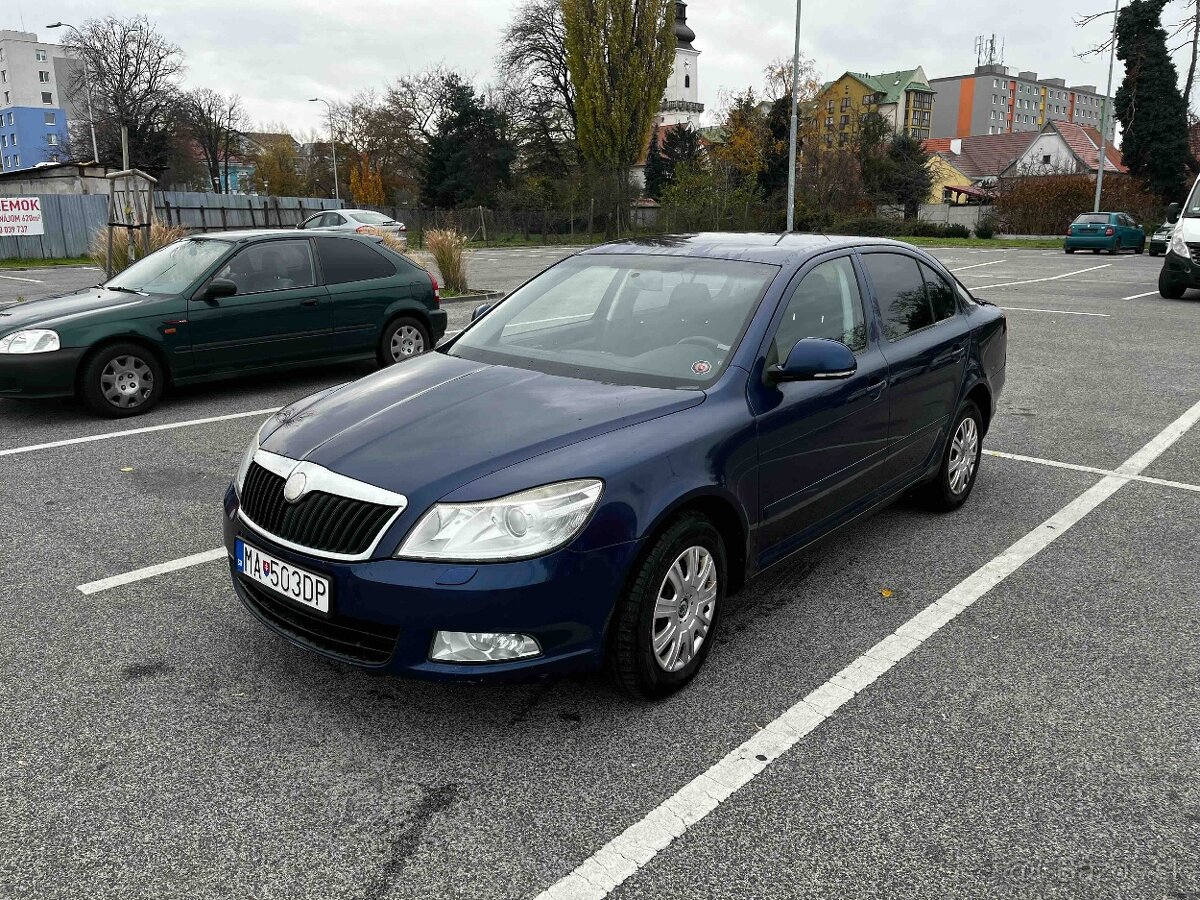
(366, 182)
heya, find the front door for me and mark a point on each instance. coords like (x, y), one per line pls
(279, 314)
(821, 444)
(926, 346)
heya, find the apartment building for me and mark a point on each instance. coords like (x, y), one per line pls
(904, 99)
(994, 101)
(34, 110)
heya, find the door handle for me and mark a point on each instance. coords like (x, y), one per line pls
(952, 355)
(875, 391)
(312, 302)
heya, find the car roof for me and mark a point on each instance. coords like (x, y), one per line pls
(263, 234)
(775, 249)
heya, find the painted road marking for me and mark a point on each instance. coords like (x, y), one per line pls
(107, 584)
(1065, 312)
(13, 451)
(1039, 280)
(994, 262)
(15, 278)
(1140, 296)
(602, 872)
(1162, 482)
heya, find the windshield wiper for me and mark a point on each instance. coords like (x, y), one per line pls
(123, 290)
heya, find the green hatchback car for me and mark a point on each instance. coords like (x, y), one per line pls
(216, 306)
(1109, 231)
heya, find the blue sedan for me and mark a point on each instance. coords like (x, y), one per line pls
(588, 473)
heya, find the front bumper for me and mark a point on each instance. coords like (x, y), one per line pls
(384, 613)
(1180, 271)
(36, 375)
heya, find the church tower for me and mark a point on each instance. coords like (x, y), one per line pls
(681, 99)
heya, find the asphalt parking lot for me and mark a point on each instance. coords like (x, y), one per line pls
(1032, 729)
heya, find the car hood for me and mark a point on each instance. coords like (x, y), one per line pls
(50, 311)
(430, 425)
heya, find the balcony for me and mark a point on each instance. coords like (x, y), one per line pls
(684, 106)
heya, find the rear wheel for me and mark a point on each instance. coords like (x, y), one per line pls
(1068, 249)
(664, 626)
(402, 338)
(955, 478)
(1168, 289)
(1096, 251)
(1116, 247)
(121, 380)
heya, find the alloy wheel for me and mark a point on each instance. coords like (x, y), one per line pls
(407, 340)
(964, 455)
(684, 609)
(127, 381)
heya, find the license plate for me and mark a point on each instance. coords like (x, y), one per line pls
(283, 578)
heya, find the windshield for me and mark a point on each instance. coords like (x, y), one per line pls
(1093, 219)
(657, 321)
(371, 218)
(171, 269)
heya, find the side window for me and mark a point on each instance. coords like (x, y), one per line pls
(941, 297)
(344, 260)
(271, 266)
(826, 304)
(900, 290)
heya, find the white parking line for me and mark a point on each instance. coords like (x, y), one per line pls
(1140, 296)
(15, 278)
(13, 451)
(1039, 280)
(1053, 463)
(994, 262)
(601, 873)
(107, 584)
(1065, 312)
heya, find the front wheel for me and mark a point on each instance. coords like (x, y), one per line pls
(664, 626)
(1167, 289)
(402, 338)
(955, 478)
(1140, 250)
(121, 380)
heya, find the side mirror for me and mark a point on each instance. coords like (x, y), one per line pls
(218, 288)
(815, 359)
(1173, 213)
(480, 310)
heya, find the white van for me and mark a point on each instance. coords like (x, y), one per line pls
(1181, 268)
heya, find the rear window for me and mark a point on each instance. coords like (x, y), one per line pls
(1092, 219)
(345, 260)
(372, 218)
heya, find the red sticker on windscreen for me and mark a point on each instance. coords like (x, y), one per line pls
(701, 367)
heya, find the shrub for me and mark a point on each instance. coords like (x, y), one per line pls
(986, 228)
(957, 231)
(921, 228)
(160, 236)
(389, 240)
(448, 248)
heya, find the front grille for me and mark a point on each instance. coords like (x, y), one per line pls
(1194, 252)
(319, 521)
(352, 639)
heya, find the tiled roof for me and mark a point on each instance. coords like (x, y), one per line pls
(983, 155)
(890, 84)
(1084, 142)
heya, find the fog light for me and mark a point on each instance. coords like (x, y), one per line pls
(479, 646)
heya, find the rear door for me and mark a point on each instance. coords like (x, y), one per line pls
(362, 283)
(926, 346)
(822, 444)
(280, 313)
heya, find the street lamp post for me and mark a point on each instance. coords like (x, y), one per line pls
(791, 192)
(1106, 113)
(87, 84)
(332, 142)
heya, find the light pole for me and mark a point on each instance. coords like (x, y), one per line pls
(791, 193)
(332, 142)
(87, 84)
(1106, 114)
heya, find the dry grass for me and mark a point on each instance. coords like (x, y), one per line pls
(160, 236)
(447, 247)
(391, 241)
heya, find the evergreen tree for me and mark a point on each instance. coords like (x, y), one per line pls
(469, 158)
(656, 169)
(680, 147)
(1149, 105)
(774, 176)
(908, 178)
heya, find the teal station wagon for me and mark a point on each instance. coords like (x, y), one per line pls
(1108, 231)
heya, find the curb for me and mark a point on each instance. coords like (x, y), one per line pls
(479, 297)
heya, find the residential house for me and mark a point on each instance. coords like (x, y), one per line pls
(1066, 148)
(904, 99)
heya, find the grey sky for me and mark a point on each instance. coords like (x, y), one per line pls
(278, 53)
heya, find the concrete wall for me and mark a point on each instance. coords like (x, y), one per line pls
(942, 213)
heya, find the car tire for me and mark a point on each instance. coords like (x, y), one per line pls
(1140, 250)
(121, 380)
(652, 613)
(1096, 251)
(1168, 289)
(1070, 250)
(403, 338)
(1115, 248)
(956, 475)
(1154, 253)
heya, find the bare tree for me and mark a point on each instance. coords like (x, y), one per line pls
(134, 73)
(777, 75)
(216, 124)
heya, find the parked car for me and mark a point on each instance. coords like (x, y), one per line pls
(362, 221)
(589, 470)
(1161, 239)
(1181, 267)
(1110, 231)
(219, 305)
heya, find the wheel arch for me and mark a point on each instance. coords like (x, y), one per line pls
(981, 395)
(727, 516)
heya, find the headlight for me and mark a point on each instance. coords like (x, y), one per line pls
(36, 340)
(518, 526)
(1179, 245)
